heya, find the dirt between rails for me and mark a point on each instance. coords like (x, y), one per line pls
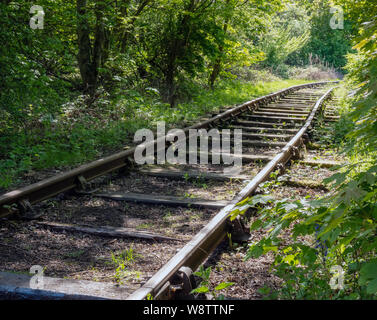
(86, 257)
(189, 188)
(75, 255)
(228, 264)
(82, 256)
(79, 256)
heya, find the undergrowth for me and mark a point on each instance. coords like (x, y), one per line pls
(332, 251)
(84, 130)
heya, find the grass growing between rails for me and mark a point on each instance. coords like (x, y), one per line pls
(79, 131)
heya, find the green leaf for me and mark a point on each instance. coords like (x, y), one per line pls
(254, 251)
(256, 225)
(353, 192)
(370, 195)
(309, 255)
(289, 206)
(224, 285)
(202, 289)
(338, 177)
(372, 287)
(260, 199)
(368, 272)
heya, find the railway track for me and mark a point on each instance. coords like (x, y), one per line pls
(90, 203)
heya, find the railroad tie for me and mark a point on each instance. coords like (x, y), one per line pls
(163, 200)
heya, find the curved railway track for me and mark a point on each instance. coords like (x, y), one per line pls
(274, 127)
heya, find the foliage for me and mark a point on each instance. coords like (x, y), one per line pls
(302, 31)
(340, 229)
(122, 261)
(30, 90)
(205, 287)
(331, 45)
(288, 33)
(323, 236)
(99, 70)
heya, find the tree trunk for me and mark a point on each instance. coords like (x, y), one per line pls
(90, 59)
(218, 62)
(171, 72)
(177, 49)
(99, 40)
(126, 31)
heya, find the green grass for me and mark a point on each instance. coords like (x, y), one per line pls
(236, 92)
(144, 226)
(123, 261)
(89, 133)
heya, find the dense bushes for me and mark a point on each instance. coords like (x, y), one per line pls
(334, 236)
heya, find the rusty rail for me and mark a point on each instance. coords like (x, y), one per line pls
(20, 199)
(199, 248)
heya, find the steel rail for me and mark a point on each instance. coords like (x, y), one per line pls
(15, 200)
(201, 245)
